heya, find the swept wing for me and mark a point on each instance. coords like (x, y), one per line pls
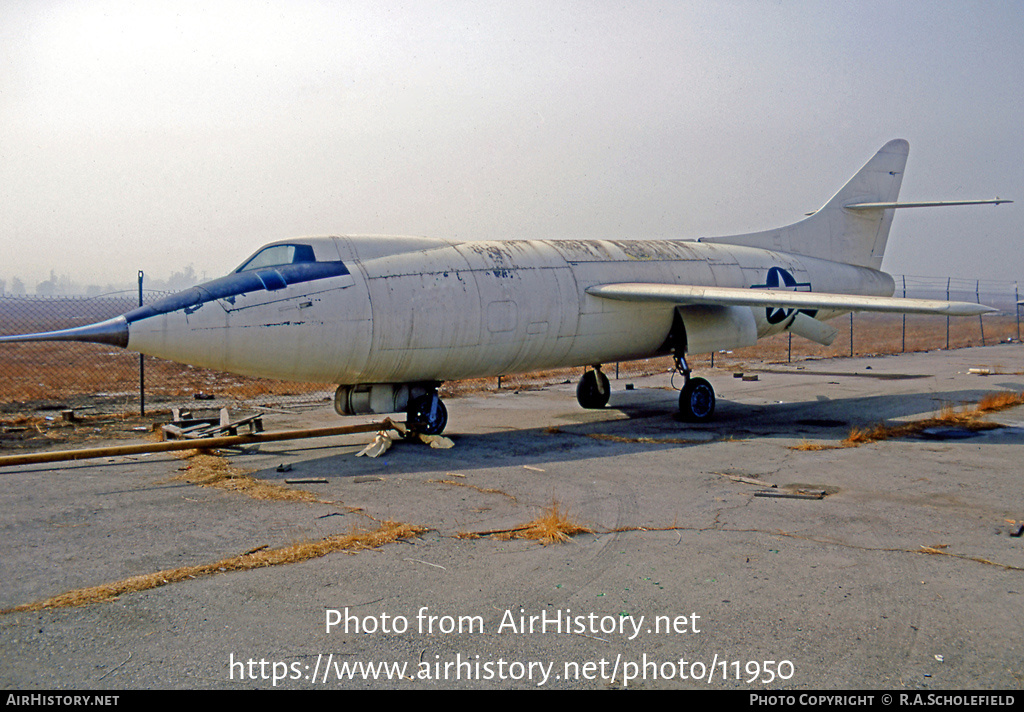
(733, 296)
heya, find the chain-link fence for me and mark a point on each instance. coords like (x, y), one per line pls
(34, 375)
(48, 373)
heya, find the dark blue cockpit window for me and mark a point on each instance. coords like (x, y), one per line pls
(277, 255)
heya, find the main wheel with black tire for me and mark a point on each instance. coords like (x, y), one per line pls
(593, 390)
(697, 400)
(428, 415)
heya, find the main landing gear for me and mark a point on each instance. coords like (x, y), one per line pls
(697, 399)
(593, 389)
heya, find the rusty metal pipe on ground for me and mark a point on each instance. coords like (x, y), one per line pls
(196, 444)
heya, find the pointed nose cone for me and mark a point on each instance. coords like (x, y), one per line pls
(112, 331)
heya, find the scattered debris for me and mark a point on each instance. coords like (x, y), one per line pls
(427, 563)
(791, 495)
(745, 480)
(225, 441)
(183, 425)
(438, 442)
(307, 481)
(284, 468)
(380, 445)
(384, 440)
(751, 377)
(980, 371)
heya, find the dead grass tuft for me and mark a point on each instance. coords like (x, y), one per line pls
(994, 402)
(807, 446)
(553, 526)
(388, 532)
(970, 417)
(209, 470)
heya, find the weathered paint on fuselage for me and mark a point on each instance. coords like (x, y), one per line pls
(422, 309)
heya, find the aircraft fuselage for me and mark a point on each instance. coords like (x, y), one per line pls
(419, 309)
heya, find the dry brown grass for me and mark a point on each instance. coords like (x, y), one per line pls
(999, 401)
(388, 532)
(807, 446)
(209, 470)
(970, 418)
(554, 525)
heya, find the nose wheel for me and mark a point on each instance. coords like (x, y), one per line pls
(427, 414)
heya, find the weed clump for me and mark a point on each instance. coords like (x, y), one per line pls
(554, 525)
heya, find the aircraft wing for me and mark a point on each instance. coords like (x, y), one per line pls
(783, 299)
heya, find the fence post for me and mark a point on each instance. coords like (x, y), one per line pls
(1016, 298)
(142, 364)
(977, 296)
(903, 348)
(947, 318)
(789, 348)
(851, 334)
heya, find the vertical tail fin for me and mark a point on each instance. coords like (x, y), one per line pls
(856, 237)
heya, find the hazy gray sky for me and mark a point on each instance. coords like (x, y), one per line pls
(154, 135)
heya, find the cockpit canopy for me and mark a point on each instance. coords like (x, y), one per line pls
(278, 255)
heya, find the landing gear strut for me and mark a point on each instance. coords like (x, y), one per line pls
(593, 389)
(427, 414)
(697, 399)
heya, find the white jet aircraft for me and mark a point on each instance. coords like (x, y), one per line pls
(391, 318)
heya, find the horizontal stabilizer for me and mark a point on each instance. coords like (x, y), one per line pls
(810, 328)
(733, 296)
(932, 204)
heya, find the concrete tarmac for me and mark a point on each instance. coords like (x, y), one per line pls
(905, 576)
